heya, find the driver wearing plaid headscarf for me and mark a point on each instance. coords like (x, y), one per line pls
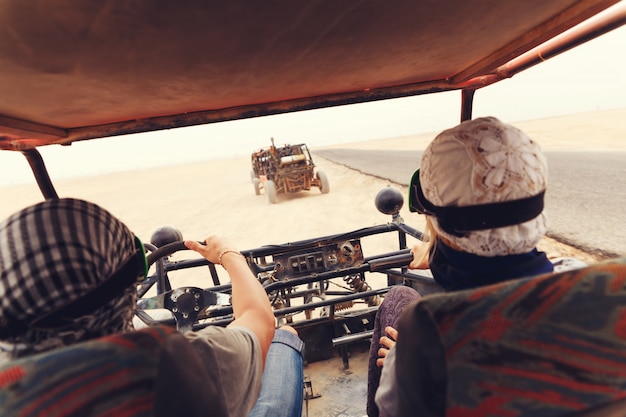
(68, 274)
(55, 256)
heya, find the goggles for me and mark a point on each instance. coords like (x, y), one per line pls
(140, 254)
(458, 221)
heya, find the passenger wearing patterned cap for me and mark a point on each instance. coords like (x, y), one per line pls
(481, 186)
(68, 273)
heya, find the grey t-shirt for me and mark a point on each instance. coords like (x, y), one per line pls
(221, 369)
(239, 363)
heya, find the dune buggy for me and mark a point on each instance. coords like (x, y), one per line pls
(285, 169)
(110, 69)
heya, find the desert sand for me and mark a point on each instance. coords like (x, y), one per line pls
(217, 197)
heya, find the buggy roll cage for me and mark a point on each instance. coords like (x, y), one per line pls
(115, 68)
(312, 284)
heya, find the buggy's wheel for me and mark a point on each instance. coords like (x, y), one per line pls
(257, 189)
(270, 190)
(253, 176)
(324, 185)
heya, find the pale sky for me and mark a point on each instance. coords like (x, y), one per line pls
(589, 77)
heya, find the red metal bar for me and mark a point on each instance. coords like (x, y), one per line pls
(604, 22)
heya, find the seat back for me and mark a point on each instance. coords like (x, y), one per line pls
(112, 376)
(553, 345)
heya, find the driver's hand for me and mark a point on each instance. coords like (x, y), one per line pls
(388, 342)
(212, 248)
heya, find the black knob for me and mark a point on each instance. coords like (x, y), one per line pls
(389, 200)
(164, 235)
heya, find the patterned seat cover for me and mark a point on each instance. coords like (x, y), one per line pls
(553, 345)
(111, 376)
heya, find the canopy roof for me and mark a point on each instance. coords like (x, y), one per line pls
(74, 70)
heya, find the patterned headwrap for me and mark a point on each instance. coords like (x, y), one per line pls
(484, 161)
(51, 255)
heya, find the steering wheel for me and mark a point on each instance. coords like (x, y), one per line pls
(187, 304)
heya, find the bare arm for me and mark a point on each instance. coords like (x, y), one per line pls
(250, 303)
(420, 256)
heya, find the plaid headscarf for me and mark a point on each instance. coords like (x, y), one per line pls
(51, 254)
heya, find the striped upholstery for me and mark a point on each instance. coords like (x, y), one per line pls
(553, 345)
(112, 376)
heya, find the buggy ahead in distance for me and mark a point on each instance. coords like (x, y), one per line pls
(286, 169)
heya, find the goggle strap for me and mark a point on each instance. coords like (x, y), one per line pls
(459, 220)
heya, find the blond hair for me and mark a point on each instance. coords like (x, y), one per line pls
(430, 236)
